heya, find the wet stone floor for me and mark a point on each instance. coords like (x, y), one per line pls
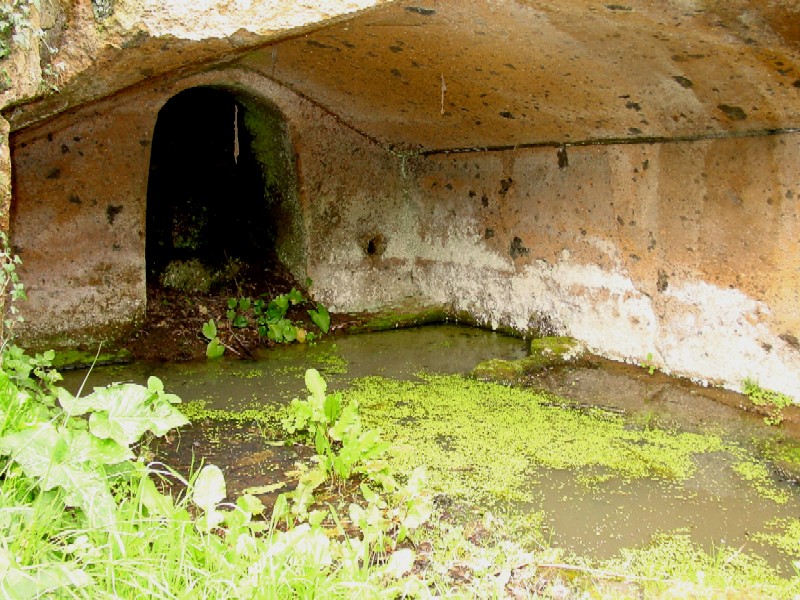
(601, 456)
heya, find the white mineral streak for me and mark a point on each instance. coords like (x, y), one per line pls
(717, 335)
(709, 334)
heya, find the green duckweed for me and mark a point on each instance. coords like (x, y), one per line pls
(329, 362)
(484, 441)
(759, 477)
(784, 535)
(197, 410)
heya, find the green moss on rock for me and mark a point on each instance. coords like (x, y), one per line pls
(79, 359)
(397, 319)
(187, 276)
(544, 353)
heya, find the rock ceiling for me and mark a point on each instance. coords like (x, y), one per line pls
(431, 75)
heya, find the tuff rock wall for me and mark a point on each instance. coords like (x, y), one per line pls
(682, 248)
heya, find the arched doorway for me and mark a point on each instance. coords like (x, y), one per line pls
(221, 191)
(223, 217)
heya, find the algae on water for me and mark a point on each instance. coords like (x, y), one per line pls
(783, 534)
(485, 441)
(672, 566)
(758, 476)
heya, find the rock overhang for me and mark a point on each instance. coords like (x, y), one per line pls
(437, 75)
(473, 75)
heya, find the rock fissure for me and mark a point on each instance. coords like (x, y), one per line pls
(616, 141)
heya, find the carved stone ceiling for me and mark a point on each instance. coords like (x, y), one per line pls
(429, 75)
(461, 73)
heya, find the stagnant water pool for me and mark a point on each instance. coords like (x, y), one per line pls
(606, 456)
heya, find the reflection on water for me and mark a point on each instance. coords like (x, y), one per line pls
(277, 374)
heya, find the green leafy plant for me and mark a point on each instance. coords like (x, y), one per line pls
(269, 317)
(345, 449)
(88, 519)
(273, 323)
(237, 310)
(774, 401)
(648, 363)
(33, 373)
(385, 524)
(82, 513)
(215, 347)
(10, 287)
(321, 318)
(342, 444)
(59, 450)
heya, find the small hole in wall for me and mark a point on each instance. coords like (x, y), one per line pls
(375, 245)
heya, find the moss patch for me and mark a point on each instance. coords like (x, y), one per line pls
(544, 353)
(187, 276)
(467, 318)
(386, 320)
(784, 454)
(78, 359)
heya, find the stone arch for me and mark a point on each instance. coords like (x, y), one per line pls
(222, 186)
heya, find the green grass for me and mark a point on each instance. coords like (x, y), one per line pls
(148, 543)
(82, 515)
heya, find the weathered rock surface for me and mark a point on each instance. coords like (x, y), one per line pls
(625, 174)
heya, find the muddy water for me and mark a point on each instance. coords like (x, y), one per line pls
(276, 375)
(714, 505)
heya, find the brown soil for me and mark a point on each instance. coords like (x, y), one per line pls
(172, 330)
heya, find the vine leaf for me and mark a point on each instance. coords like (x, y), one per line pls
(210, 329)
(321, 318)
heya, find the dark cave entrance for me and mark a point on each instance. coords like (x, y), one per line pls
(223, 218)
(212, 203)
